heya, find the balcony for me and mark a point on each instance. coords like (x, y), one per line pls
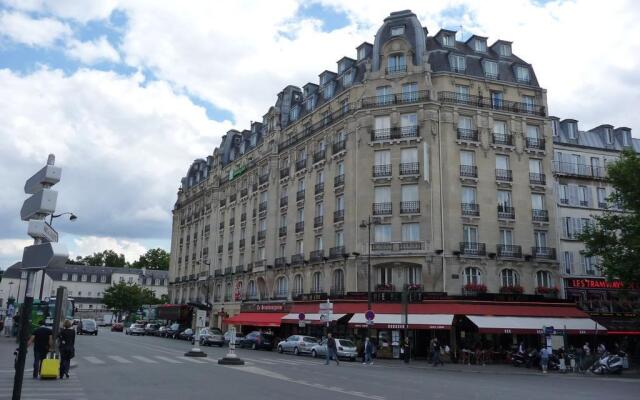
(249, 267)
(232, 198)
(299, 226)
(540, 215)
(537, 179)
(319, 188)
(280, 262)
(254, 187)
(228, 271)
(501, 139)
(382, 170)
(470, 135)
(469, 171)
(262, 207)
(382, 208)
(264, 178)
(470, 209)
(232, 221)
(262, 235)
(339, 146)
(318, 221)
(243, 217)
(244, 192)
(504, 175)
(506, 212)
(405, 132)
(473, 249)
(338, 216)
(509, 251)
(319, 156)
(486, 102)
(337, 252)
(396, 246)
(410, 207)
(338, 181)
(223, 202)
(284, 172)
(241, 243)
(391, 99)
(301, 164)
(297, 259)
(239, 269)
(300, 195)
(579, 170)
(396, 69)
(218, 272)
(221, 225)
(316, 256)
(409, 169)
(284, 201)
(230, 246)
(337, 292)
(220, 249)
(543, 253)
(535, 143)
(282, 231)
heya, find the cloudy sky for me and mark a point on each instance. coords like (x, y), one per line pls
(128, 93)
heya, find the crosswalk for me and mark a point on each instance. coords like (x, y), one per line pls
(32, 389)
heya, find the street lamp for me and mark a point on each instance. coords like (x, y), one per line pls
(72, 217)
(367, 224)
(10, 287)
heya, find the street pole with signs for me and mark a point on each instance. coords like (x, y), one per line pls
(231, 358)
(44, 252)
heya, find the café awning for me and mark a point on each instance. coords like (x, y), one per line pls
(270, 320)
(534, 325)
(313, 319)
(396, 321)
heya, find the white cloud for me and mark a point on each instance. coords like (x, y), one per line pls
(21, 28)
(88, 245)
(91, 52)
(13, 247)
(82, 11)
(154, 213)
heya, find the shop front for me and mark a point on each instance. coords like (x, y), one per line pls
(259, 316)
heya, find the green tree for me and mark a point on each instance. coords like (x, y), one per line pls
(153, 259)
(123, 297)
(108, 258)
(615, 236)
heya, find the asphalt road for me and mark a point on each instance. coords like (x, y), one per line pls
(115, 366)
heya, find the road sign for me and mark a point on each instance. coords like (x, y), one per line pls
(302, 324)
(370, 315)
(201, 318)
(49, 175)
(39, 204)
(301, 316)
(44, 255)
(40, 229)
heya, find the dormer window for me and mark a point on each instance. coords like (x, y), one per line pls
(328, 90)
(608, 136)
(522, 74)
(554, 127)
(311, 103)
(397, 30)
(362, 53)
(626, 140)
(480, 46)
(490, 69)
(505, 50)
(572, 130)
(458, 63)
(253, 140)
(447, 40)
(396, 63)
(347, 79)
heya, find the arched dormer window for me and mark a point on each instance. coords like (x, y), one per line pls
(396, 63)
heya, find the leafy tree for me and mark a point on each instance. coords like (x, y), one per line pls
(615, 237)
(108, 258)
(79, 260)
(153, 259)
(123, 297)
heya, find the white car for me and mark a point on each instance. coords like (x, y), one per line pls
(297, 344)
(134, 329)
(345, 348)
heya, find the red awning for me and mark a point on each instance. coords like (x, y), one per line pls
(271, 320)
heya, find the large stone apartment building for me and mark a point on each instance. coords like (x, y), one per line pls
(436, 152)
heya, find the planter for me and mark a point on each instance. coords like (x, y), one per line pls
(511, 290)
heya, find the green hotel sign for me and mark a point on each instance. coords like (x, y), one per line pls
(234, 173)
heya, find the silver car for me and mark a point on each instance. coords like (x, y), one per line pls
(297, 344)
(345, 347)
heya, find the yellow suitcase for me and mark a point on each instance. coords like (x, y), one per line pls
(50, 368)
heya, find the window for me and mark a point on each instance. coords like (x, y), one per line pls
(529, 103)
(468, 195)
(311, 103)
(502, 162)
(157, 281)
(414, 276)
(362, 53)
(411, 232)
(319, 209)
(491, 69)
(409, 155)
(465, 122)
(447, 40)
(262, 224)
(480, 45)
(500, 128)
(300, 215)
(386, 275)
(410, 91)
(509, 277)
(382, 233)
(319, 243)
(74, 277)
(409, 193)
(504, 199)
(300, 184)
(340, 203)
(472, 276)
(537, 201)
(94, 278)
(535, 166)
(261, 253)
(328, 90)
(567, 262)
(347, 80)
(283, 221)
(470, 234)
(408, 120)
(458, 63)
(555, 128)
(316, 282)
(397, 30)
(396, 63)
(564, 194)
(505, 50)
(540, 239)
(462, 93)
(384, 95)
(382, 126)
(295, 111)
(339, 238)
(281, 251)
(320, 173)
(522, 74)
(83, 277)
(506, 237)
(148, 281)
(572, 130)
(533, 132)
(625, 139)
(298, 284)
(282, 286)
(496, 99)
(543, 279)
(103, 278)
(467, 158)
(382, 194)
(584, 194)
(382, 157)
(608, 135)
(251, 289)
(602, 197)
(589, 265)
(65, 276)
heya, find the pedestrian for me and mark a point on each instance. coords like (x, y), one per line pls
(430, 349)
(332, 350)
(544, 359)
(67, 341)
(8, 325)
(42, 342)
(435, 353)
(601, 349)
(406, 351)
(368, 352)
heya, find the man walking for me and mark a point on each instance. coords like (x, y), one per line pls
(332, 350)
(435, 357)
(42, 341)
(368, 352)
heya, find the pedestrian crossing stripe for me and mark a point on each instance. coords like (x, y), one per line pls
(145, 359)
(131, 359)
(94, 360)
(120, 359)
(169, 360)
(193, 360)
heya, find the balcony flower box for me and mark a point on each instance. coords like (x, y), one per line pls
(517, 289)
(414, 287)
(551, 292)
(473, 289)
(384, 287)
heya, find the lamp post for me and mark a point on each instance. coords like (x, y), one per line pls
(10, 287)
(367, 224)
(72, 217)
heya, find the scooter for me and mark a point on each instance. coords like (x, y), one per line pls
(608, 364)
(519, 359)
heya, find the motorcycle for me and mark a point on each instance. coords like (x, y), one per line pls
(608, 364)
(519, 359)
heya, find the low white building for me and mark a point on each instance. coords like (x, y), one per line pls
(85, 284)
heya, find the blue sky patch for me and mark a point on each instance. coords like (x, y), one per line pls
(331, 18)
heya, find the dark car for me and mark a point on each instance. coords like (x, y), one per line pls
(117, 327)
(186, 334)
(258, 340)
(174, 330)
(151, 329)
(87, 327)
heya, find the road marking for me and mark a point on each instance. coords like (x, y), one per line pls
(259, 361)
(193, 360)
(120, 359)
(145, 359)
(94, 360)
(169, 360)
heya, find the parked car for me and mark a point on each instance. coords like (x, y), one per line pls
(227, 337)
(186, 334)
(345, 347)
(257, 340)
(211, 337)
(151, 329)
(161, 331)
(117, 327)
(87, 327)
(134, 329)
(174, 330)
(297, 344)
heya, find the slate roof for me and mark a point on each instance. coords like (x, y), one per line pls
(55, 273)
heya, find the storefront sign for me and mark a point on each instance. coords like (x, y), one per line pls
(594, 283)
(270, 307)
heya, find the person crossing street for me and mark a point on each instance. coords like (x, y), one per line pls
(332, 350)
